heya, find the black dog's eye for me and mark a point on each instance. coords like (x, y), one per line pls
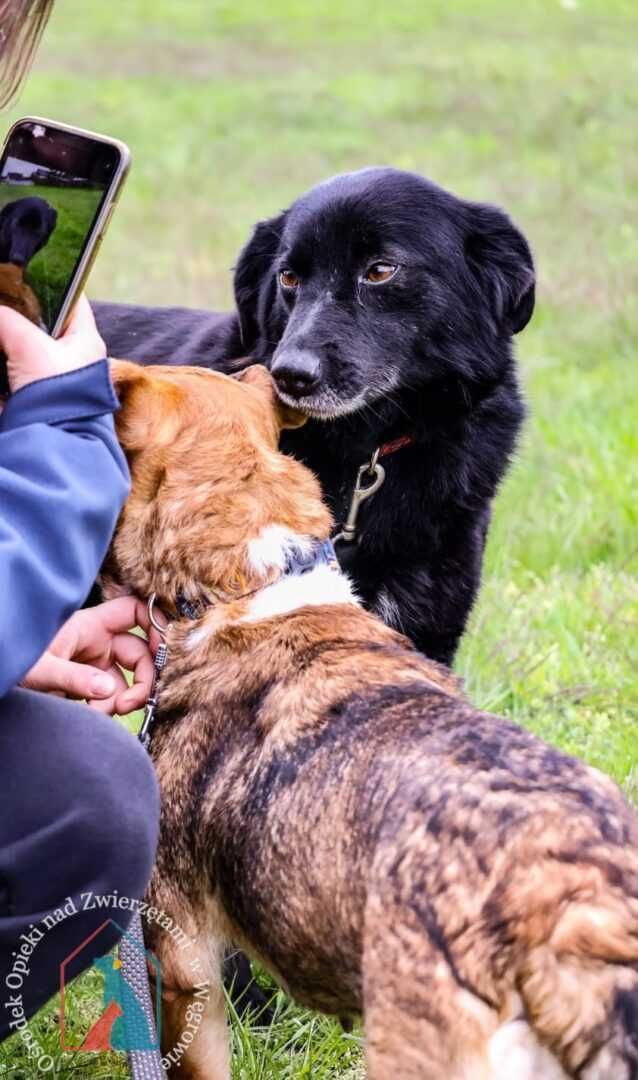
(288, 279)
(379, 273)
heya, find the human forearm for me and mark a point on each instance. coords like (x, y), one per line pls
(63, 480)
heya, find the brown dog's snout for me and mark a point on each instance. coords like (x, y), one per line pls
(297, 372)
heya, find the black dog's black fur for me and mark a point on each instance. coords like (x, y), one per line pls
(25, 227)
(427, 354)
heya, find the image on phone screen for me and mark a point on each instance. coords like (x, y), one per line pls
(52, 187)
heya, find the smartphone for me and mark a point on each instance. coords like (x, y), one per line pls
(58, 189)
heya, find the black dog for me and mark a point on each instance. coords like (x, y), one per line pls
(25, 227)
(385, 308)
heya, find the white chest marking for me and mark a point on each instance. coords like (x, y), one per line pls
(319, 586)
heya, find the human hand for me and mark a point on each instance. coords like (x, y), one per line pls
(32, 354)
(85, 658)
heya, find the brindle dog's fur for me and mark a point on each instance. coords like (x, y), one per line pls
(334, 805)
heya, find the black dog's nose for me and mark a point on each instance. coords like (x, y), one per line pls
(297, 372)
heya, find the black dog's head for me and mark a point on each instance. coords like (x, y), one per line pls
(25, 227)
(380, 279)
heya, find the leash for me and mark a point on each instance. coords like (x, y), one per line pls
(144, 734)
(144, 1064)
(348, 533)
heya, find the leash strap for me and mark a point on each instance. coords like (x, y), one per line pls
(143, 1064)
(144, 734)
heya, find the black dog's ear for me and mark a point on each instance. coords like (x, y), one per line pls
(501, 261)
(252, 268)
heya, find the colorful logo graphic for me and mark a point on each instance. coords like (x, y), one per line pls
(123, 1024)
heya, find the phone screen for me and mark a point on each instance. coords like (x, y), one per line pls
(53, 185)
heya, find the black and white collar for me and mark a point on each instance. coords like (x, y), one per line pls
(299, 560)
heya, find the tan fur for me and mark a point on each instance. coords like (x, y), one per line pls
(331, 802)
(17, 294)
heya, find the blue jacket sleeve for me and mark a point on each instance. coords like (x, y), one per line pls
(63, 481)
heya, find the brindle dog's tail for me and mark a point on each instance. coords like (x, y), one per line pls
(619, 1057)
(580, 989)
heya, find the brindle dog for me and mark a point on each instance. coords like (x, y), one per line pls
(331, 801)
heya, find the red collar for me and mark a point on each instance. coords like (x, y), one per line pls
(395, 444)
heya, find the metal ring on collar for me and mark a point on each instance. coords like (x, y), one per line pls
(150, 607)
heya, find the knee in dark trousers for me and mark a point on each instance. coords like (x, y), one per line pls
(79, 817)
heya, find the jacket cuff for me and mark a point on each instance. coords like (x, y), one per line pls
(75, 395)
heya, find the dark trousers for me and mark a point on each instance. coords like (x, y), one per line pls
(79, 816)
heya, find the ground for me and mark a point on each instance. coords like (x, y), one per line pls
(233, 109)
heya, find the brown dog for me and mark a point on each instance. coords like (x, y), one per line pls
(17, 294)
(332, 803)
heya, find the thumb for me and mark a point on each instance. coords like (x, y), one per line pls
(81, 317)
(51, 673)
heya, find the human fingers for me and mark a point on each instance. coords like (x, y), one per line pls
(133, 653)
(125, 613)
(109, 705)
(90, 633)
(27, 349)
(55, 674)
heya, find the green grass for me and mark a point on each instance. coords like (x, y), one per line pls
(298, 1046)
(232, 109)
(50, 271)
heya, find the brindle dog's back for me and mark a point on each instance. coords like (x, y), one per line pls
(387, 832)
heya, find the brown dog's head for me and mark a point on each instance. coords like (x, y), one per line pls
(207, 483)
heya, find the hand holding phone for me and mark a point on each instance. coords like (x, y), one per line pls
(58, 189)
(32, 354)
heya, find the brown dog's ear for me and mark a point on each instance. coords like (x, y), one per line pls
(124, 375)
(289, 417)
(258, 376)
(149, 406)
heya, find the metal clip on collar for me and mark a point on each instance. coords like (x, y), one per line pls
(361, 492)
(144, 734)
